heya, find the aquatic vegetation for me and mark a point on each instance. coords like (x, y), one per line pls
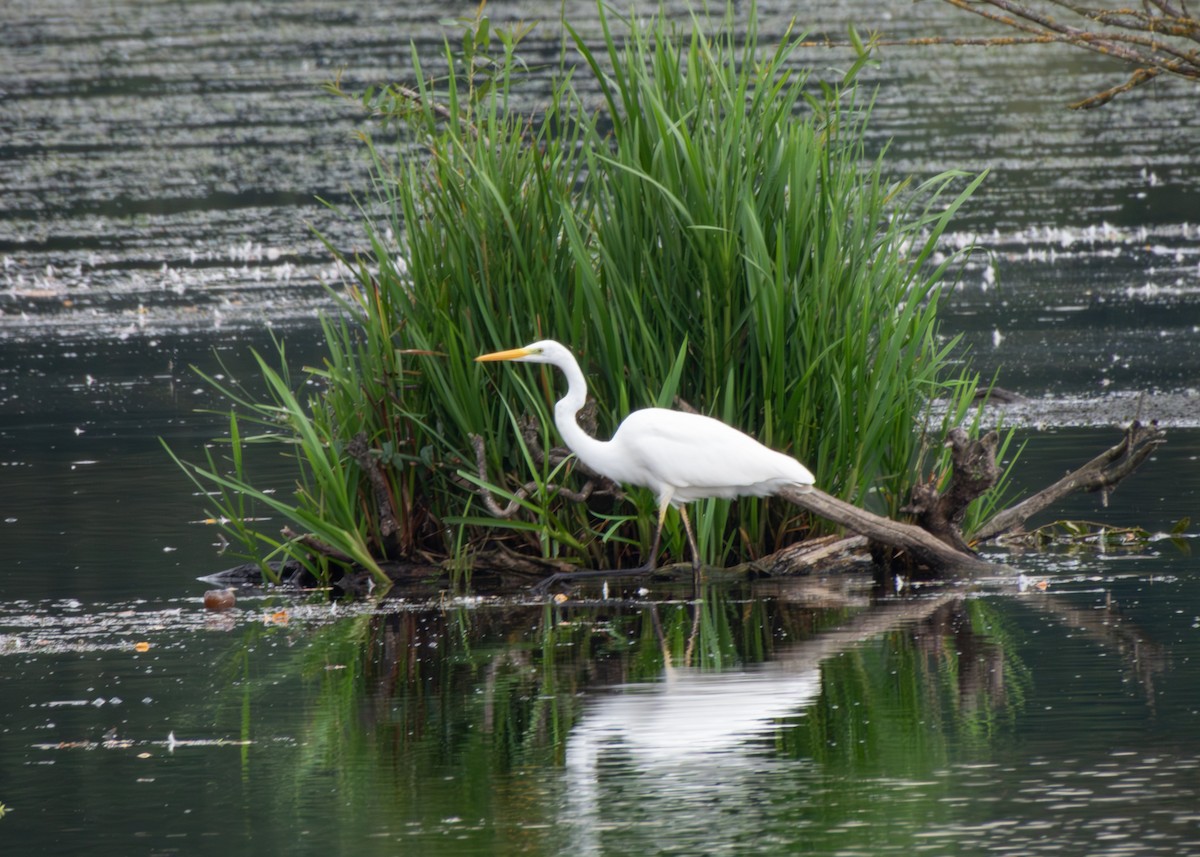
(1100, 537)
(696, 214)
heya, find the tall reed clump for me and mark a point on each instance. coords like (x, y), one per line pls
(697, 218)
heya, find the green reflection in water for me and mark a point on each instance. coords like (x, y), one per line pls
(771, 717)
(899, 700)
(545, 728)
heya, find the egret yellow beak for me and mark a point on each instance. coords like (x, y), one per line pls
(503, 355)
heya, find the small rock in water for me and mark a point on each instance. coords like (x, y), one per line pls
(219, 599)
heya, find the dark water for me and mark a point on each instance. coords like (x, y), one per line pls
(964, 721)
(160, 163)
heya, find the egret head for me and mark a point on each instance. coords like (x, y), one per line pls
(545, 351)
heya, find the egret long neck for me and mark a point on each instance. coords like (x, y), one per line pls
(592, 452)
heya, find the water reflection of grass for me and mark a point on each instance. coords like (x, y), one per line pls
(914, 698)
(419, 714)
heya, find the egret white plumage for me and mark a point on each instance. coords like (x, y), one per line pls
(681, 457)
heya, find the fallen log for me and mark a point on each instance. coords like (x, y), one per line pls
(811, 555)
(937, 541)
(926, 548)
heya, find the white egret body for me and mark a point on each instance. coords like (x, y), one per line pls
(681, 457)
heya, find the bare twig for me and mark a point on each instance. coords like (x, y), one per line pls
(1156, 39)
(1101, 98)
(1141, 38)
(521, 493)
(414, 97)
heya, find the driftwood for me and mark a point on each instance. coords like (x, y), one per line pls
(973, 472)
(1102, 473)
(922, 545)
(811, 555)
(937, 541)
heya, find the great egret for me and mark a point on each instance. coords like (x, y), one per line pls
(681, 457)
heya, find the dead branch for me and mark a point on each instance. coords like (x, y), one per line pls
(386, 510)
(926, 548)
(936, 542)
(521, 493)
(973, 473)
(1101, 98)
(531, 436)
(1154, 42)
(1102, 473)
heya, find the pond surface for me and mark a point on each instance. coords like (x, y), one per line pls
(1000, 717)
(160, 164)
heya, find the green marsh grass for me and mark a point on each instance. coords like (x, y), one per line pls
(689, 210)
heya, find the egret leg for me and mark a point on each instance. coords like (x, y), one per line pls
(652, 558)
(687, 528)
(691, 537)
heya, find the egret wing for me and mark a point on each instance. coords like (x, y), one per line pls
(697, 456)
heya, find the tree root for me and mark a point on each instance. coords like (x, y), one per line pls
(973, 472)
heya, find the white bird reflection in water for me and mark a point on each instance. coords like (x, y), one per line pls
(698, 748)
(694, 737)
(690, 715)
